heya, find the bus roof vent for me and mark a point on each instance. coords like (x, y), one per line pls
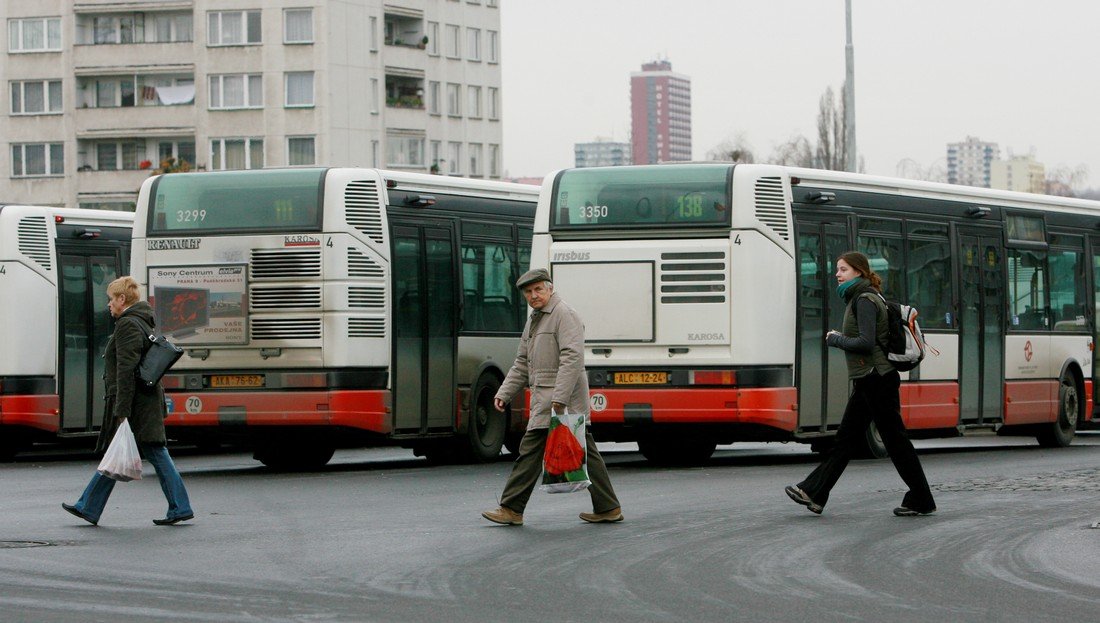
(364, 211)
(34, 239)
(771, 208)
(366, 327)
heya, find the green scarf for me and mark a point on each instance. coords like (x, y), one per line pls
(844, 287)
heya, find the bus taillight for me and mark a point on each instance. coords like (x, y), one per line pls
(714, 377)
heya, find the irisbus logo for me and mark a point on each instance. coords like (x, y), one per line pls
(572, 256)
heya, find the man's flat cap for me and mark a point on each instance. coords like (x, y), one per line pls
(534, 275)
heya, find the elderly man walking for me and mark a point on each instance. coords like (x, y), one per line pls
(551, 363)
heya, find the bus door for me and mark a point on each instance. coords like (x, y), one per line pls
(86, 326)
(981, 306)
(1094, 249)
(821, 373)
(424, 327)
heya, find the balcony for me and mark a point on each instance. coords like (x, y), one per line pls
(134, 58)
(110, 182)
(148, 120)
(117, 6)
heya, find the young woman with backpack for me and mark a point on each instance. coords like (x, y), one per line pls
(875, 394)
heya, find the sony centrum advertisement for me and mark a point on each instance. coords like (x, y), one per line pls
(200, 305)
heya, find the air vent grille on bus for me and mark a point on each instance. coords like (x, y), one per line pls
(285, 328)
(363, 209)
(269, 298)
(360, 265)
(285, 263)
(34, 239)
(693, 277)
(366, 327)
(367, 297)
(771, 208)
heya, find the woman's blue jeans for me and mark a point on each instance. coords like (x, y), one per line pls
(94, 499)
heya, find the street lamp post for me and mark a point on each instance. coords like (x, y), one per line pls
(849, 93)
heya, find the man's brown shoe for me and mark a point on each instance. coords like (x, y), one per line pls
(615, 514)
(505, 516)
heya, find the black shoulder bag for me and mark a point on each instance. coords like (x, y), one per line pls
(157, 359)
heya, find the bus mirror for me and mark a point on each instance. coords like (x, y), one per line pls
(419, 200)
(820, 196)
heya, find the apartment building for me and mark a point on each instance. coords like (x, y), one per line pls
(660, 111)
(970, 162)
(602, 152)
(1019, 173)
(103, 92)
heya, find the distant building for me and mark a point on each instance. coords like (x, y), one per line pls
(101, 92)
(969, 162)
(1020, 173)
(601, 153)
(660, 104)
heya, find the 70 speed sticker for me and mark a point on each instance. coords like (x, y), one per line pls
(598, 402)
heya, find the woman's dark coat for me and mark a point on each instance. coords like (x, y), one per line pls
(125, 399)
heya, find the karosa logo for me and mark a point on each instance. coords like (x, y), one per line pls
(572, 256)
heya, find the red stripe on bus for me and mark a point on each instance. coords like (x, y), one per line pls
(774, 407)
(1088, 399)
(364, 409)
(1031, 402)
(36, 411)
(930, 405)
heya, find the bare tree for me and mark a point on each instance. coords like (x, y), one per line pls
(832, 151)
(1065, 181)
(794, 152)
(913, 170)
(736, 149)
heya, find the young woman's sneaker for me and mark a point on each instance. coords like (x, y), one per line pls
(903, 511)
(799, 496)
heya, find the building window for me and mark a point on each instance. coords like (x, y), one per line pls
(493, 44)
(298, 26)
(34, 159)
(473, 44)
(233, 28)
(453, 100)
(433, 38)
(299, 89)
(114, 93)
(494, 103)
(373, 34)
(181, 151)
(433, 97)
(473, 102)
(300, 151)
(236, 91)
(436, 156)
(36, 97)
(404, 150)
(37, 34)
(494, 160)
(455, 156)
(168, 27)
(119, 155)
(123, 206)
(452, 43)
(374, 153)
(374, 96)
(236, 153)
(475, 159)
(108, 29)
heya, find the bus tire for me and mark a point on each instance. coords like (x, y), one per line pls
(12, 442)
(488, 428)
(872, 447)
(677, 452)
(288, 455)
(1059, 434)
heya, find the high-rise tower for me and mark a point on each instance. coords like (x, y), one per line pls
(660, 102)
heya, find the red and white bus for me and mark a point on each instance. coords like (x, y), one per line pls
(323, 308)
(55, 265)
(707, 290)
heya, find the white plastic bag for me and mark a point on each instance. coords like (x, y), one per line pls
(565, 460)
(121, 461)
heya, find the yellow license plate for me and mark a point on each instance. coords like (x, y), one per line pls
(237, 380)
(641, 378)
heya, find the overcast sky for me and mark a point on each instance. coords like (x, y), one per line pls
(1022, 73)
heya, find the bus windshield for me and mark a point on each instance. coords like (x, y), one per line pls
(643, 197)
(237, 201)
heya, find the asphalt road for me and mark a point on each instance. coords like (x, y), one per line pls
(381, 536)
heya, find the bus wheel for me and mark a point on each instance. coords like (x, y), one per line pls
(12, 441)
(873, 448)
(294, 456)
(1060, 433)
(677, 452)
(487, 427)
